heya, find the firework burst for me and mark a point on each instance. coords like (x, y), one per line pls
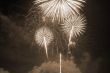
(74, 26)
(43, 37)
(60, 9)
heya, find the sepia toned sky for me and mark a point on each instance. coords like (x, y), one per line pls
(19, 53)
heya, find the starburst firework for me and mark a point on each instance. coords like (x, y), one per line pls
(60, 9)
(43, 37)
(74, 26)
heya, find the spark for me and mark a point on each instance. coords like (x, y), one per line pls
(60, 9)
(60, 63)
(44, 37)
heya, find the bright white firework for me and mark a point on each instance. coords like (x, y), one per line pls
(60, 9)
(74, 26)
(44, 37)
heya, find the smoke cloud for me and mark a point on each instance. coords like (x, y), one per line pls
(3, 71)
(53, 67)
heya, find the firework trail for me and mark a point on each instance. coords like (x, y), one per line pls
(60, 9)
(45, 44)
(43, 37)
(74, 27)
(60, 63)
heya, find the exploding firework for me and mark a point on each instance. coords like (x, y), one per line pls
(74, 26)
(60, 9)
(43, 37)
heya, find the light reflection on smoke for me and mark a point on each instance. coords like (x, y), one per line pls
(53, 67)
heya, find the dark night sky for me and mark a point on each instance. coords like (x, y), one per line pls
(19, 55)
